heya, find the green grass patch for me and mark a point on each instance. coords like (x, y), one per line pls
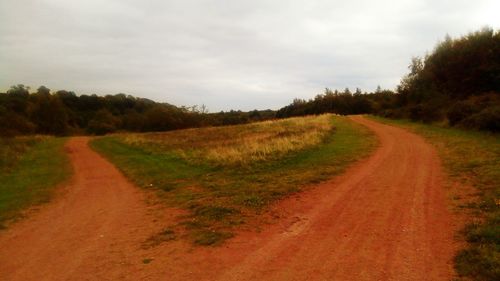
(473, 159)
(222, 197)
(31, 167)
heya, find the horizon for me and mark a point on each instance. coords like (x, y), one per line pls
(237, 56)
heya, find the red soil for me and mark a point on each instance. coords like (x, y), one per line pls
(384, 219)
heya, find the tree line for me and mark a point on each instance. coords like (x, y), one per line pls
(458, 82)
(65, 113)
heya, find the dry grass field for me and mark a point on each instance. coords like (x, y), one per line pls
(238, 145)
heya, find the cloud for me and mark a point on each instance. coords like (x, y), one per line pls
(225, 54)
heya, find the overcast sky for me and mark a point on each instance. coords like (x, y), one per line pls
(225, 54)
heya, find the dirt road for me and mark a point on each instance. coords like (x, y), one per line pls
(384, 219)
(89, 230)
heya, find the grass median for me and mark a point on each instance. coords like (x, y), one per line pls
(225, 175)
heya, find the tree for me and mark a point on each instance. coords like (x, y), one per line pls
(64, 112)
(455, 71)
(18, 96)
(42, 90)
(102, 123)
(49, 114)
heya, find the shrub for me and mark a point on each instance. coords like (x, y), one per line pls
(460, 111)
(13, 124)
(416, 112)
(488, 119)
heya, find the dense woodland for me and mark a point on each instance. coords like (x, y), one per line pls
(65, 113)
(457, 83)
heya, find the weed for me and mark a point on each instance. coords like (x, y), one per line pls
(210, 237)
(251, 200)
(168, 234)
(214, 213)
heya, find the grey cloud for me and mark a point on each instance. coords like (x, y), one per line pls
(226, 54)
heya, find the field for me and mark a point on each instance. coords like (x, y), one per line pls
(225, 176)
(30, 168)
(238, 145)
(471, 159)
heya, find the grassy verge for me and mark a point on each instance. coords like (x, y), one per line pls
(30, 168)
(471, 159)
(220, 195)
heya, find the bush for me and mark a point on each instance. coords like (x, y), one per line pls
(393, 113)
(432, 111)
(100, 128)
(416, 112)
(460, 111)
(488, 119)
(13, 124)
(481, 262)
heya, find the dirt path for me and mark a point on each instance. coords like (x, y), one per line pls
(384, 219)
(87, 233)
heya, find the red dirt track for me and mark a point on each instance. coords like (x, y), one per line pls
(386, 218)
